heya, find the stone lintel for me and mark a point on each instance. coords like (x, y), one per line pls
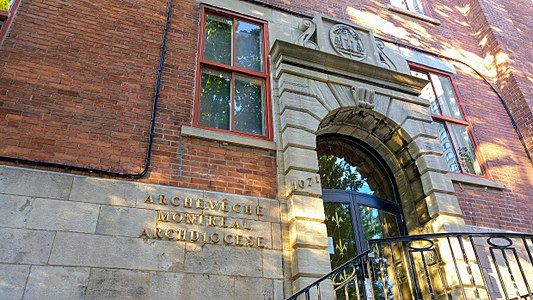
(306, 72)
(292, 53)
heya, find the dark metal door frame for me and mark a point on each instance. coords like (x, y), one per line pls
(355, 199)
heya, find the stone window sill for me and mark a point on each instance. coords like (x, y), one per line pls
(227, 138)
(412, 14)
(474, 180)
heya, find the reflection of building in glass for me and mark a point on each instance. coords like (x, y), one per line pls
(467, 159)
(447, 149)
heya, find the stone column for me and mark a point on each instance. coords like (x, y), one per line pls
(302, 189)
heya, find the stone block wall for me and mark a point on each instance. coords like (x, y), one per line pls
(85, 235)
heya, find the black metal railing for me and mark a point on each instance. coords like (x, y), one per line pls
(344, 280)
(434, 266)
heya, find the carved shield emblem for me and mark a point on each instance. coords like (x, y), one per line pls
(347, 42)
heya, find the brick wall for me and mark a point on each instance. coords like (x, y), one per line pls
(503, 34)
(77, 88)
(77, 80)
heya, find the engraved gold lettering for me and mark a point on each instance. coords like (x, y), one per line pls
(211, 221)
(223, 206)
(187, 202)
(248, 209)
(146, 233)
(235, 225)
(250, 241)
(189, 219)
(213, 205)
(236, 209)
(317, 179)
(223, 222)
(194, 236)
(162, 200)
(168, 234)
(259, 241)
(213, 239)
(238, 241)
(182, 233)
(227, 239)
(180, 218)
(259, 210)
(157, 234)
(162, 217)
(175, 201)
(199, 203)
(204, 238)
(245, 225)
(149, 200)
(200, 219)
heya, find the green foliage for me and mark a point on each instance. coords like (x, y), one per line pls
(215, 99)
(4, 5)
(217, 39)
(337, 174)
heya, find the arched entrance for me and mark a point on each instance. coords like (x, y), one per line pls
(360, 196)
(367, 103)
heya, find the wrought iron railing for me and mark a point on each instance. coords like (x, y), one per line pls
(434, 266)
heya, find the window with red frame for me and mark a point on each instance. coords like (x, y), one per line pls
(416, 6)
(6, 9)
(453, 129)
(233, 76)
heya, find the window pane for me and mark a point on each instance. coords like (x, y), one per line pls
(465, 149)
(447, 100)
(416, 6)
(377, 224)
(345, 166)
(215, 99)
(217, 39)
(249, 105)
(447, 149)
(399, 3)
(341, 235)
(428, 93)
(248, 52)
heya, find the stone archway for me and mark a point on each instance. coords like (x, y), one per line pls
(369, 103)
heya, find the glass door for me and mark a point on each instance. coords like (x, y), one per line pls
(352, 219)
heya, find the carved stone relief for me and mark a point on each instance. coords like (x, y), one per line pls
(347, 42)
(309, 28)
(363, 97)
(385, 61)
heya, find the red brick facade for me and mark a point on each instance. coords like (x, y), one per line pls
(77, 82)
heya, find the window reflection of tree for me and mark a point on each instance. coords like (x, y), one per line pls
(215, 99)
(344, 166)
